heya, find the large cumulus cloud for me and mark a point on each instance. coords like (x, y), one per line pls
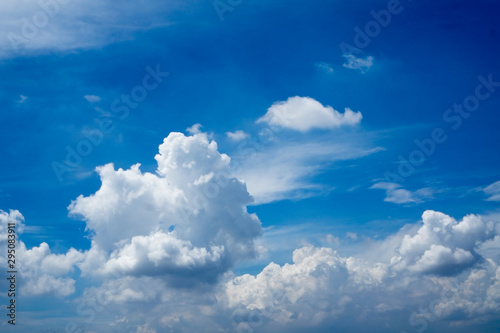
(188, 220)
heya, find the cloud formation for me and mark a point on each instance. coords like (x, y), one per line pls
(305, 113)
(398, 195)
(188, 222)
(361, 64)
(493, 191)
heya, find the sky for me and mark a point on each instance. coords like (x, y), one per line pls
(250, 166)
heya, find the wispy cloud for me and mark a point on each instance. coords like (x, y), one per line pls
(395, 193)
(361, 64)
(324, 66)
(493, 191)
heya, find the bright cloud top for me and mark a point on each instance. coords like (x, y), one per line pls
(305, 113)
(188, 221)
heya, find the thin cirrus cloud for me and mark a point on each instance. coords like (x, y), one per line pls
(305, 113)
(38, 26)
(493, 191)
(395, 193)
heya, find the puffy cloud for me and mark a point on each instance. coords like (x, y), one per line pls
(188, 222)
(305, 113)
(443, 245)
(13, 216)
(44, 272)
(362, 64)
(321, 289)
(396, 194)
(493, 191)
(237, 136)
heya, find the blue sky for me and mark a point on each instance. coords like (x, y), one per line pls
(319, 137)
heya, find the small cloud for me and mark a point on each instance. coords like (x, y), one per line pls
(331, 239)
(22, 99)
(353, 62)
(305, 113)
(92, 98)
(237, 136)
(324, 66)
(195, 129)
(351, 235)
(398, 195)
(493, 191)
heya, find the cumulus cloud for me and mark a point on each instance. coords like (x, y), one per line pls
(493, 191)
(438, 268)
(437, 272)
(187, 222)
(44, 272)
(361, 64)
(237, 136)
(41, 271)
(443, 245)
(396, 194)
(305, 113)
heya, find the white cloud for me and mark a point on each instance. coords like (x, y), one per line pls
(33, 27)
(305, 113)
(396, 194)
(437, 269)
(188, 222)
(443, 245)
(237, 136)
(437, 272)
(493, 191)
(92, 98)
(284, 170)
(195, 129)
(362, 64)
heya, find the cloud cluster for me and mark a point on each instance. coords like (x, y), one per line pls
(398, 289)
(305, 113)
(437, 267)
(188, 221)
